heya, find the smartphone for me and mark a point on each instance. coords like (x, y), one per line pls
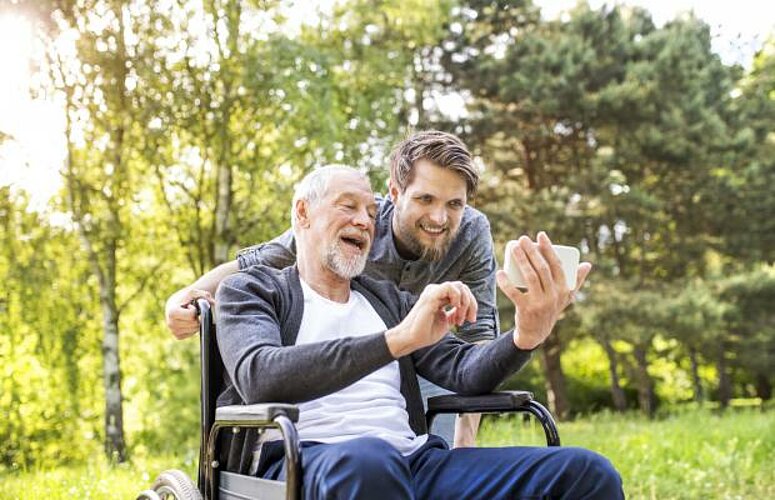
(569, 258)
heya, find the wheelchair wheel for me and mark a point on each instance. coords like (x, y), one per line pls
(171, 485)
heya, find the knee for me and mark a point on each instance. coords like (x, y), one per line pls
(363, 465)
(595, 475)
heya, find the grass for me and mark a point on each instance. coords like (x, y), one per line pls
(689, 454)
(96, 480)
(697, 454)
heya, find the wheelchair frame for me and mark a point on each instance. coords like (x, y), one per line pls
(214, 484)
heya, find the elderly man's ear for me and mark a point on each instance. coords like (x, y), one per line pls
(302, 213)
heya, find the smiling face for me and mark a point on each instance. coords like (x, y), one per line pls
(428, 212)
(338, 229)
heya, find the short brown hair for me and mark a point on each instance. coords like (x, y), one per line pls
(440, 148)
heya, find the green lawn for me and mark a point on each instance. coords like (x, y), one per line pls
(696, 454)
(96, 480)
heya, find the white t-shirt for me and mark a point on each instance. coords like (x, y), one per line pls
(371, 407)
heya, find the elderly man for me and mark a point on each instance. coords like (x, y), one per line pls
(425, 233)
(347, 349)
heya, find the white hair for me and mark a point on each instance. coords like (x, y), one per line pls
(313, 186)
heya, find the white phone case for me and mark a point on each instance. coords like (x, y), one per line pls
(569, 257)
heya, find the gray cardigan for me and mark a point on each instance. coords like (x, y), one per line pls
(259, 312)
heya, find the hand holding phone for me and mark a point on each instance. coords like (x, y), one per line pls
(569, 258)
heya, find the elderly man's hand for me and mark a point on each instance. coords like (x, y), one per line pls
(547, 295)
(436, 310)
(180, 315)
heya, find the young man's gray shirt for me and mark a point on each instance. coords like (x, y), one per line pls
(470, 259)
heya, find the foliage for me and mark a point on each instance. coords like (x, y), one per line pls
(750, 320)
(626, 140)
(50, 375)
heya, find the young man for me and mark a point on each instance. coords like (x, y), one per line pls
(353, 346)
(425, 233)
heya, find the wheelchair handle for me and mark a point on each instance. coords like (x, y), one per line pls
(200, 304)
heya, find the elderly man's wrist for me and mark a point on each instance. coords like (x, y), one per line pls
(397, 342)
(523, 344)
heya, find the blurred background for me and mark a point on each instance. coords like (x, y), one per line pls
(144, 142)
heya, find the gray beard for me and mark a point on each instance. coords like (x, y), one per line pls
(342, 266)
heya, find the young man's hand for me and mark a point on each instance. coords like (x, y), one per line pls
(547, 295)
(180, 315)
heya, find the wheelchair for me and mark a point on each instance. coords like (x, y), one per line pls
(216, 484)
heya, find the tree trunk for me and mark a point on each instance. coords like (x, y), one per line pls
(115, 448)
(724, 382)
(222, 237)
(763, 387)
(646, 396)
(222, 209)
(699, 396)
(556, 392)
(418, 71)
(617, 394)
(100, 229)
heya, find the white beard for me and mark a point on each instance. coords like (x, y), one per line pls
(341, 265)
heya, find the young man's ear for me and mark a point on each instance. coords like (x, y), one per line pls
(301, 209)
(393, 189)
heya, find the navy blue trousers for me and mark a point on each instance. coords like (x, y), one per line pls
(369, 468)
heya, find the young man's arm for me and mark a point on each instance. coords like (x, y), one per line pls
(180, 315)
(479, 275)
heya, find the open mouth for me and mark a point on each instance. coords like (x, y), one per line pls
(354, 241)
(433, 231)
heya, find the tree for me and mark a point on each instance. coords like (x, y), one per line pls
(740, 198)
(694, 317)
(536, 88)
(258, 109)
(587, 132)
(100, 171)
(751, 323)
(47, 332)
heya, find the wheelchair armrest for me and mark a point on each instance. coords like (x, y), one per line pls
(495, 402)
(257, 413)
(262, 415)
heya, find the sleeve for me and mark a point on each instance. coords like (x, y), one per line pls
(470, 369)
(260, 367)
(465, 368)
(278, 253)
(479, 275)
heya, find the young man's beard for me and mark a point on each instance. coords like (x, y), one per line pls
(408, 236)
(342, 266)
